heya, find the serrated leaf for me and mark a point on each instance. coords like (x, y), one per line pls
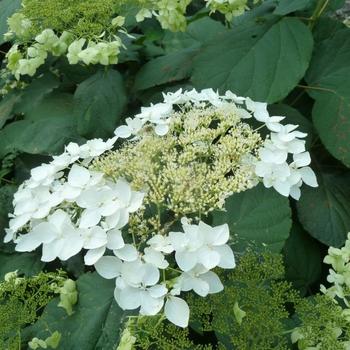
(259, 215)
(98, 104)
(325, 212)
(303, 259)
(7, 9)
(95, 324)
(287, 6)
(263, 61)
(331, 90)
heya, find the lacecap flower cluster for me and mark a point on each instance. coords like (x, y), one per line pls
(141, 234)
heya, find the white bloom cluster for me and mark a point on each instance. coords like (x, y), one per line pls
(273, 166)
(198, 249)
(230, 8)
(97, 51)
(339, 274)
(67, 211)
(66, 207)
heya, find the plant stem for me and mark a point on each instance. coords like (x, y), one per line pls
(320, 7)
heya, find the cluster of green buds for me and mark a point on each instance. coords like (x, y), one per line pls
(33, 43)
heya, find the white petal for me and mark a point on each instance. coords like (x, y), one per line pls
(302, 159)
(282, 187)
(127, 253)
(186, 260)
(209, 258)
(150, 275)
(73, 245)
(78, 176)
(108, 267)
(135, 201)
(161, 129)
(115, 239)
(213, 280)
(295, 192)
(177, 311)
(221, 234)
(52, 250)
(227, 259)
(308, 176)
(93, 255)
(96, 238)
(150, 306)
(89, 218)
(123, 131)
(33, 239)
(123, 191)
(157, 291)
(128, 298)
(199, 286)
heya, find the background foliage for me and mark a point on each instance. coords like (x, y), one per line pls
(283, 52)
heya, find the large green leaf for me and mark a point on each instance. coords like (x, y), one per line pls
(287, 6)
(26, 263)
(331, 90)
(98, 104)
(95, 324)
(259, 215)
(44, 136)
(7, 8)
(181, 49)
(54, 105)
(303, 259)
(264, 60)
(32, 95)
(6, 107)
(325, 211)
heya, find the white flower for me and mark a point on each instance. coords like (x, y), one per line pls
(58, 236)
(202, 244)
(259, 110)
(155, 258)
(201, 281)
(161, 244)
(132, 128)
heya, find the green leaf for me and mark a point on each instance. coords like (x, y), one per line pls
(35, 92)
(287, 6)
(331, 90)
(325, 212)
(7, 9)
(178, 63)
(95, 324)
(264, 60)
(44, 136)
(6, 108)
(6, 194)
(259, 215)
(166, 69)
(303, 259)
(27, 263)
(98, 104)
(53, 105)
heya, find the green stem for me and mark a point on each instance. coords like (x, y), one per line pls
(320, 7)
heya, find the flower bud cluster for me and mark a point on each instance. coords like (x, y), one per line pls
(32, 47)
(272, 165)
(339, 274)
